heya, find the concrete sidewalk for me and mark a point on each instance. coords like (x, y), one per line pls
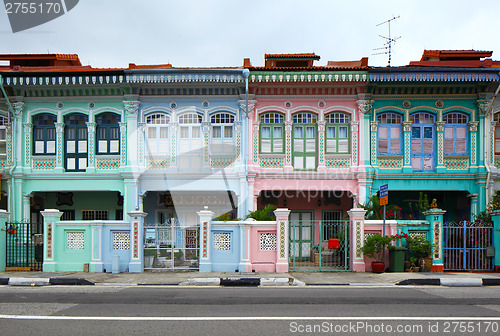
(249, 279)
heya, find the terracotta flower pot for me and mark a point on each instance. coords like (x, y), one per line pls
(378, 267)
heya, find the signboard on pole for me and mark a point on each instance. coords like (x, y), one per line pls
(384, 194)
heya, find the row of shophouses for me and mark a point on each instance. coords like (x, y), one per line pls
(113, 169)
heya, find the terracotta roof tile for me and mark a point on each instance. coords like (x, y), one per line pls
(300, 55)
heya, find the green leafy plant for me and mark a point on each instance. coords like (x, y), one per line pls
(419, 246)
(422, 204)
(375, 245)
(374, 209)
(265, 214)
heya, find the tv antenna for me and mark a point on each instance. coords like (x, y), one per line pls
(389, 41)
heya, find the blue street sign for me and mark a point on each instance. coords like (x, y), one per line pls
(384, 190)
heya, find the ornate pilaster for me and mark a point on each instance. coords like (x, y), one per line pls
(321, 133)
(173, 132)
(238, 128)
(473, 142)
(131, 107)
(141, 128)
(483, 106)
(373, 141)
(440, 143)
(205, 128)
(9, 144)
(28, 129)
(354, 136)
(492, 142)
(123, 143)
(243, 107)
(18, 109)
(288, 143)
(59, 143)
(91, 127)
(407, 142)
(255, 130)
(364, 107)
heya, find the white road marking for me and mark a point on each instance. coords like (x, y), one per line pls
(248, 318)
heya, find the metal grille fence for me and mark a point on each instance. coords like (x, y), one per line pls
(24, 246)
(170, 245)
(467, 246)
(309, 245)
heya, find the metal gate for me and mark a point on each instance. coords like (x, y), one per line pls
(24, 246)
(308, 246)
(468, 246)
(170, 245)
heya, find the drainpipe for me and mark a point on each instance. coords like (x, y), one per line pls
(486, 135)
(246, 74)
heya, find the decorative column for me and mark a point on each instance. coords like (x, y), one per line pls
(255, 142)
(4, 215)
(136, 264)
(205, 216)
(238, 127)
(407, 168)
(282, 239)
(173, 136)
(10, 139)
(205, 128)
(96, 263)
(435, 218)
(354, 145)
(50, 219)
(91, 127)
(473, 143)
(321, 146)
(288, 146)
(440, 168)
(141, 129)
(245, 241)
(373, 142)
(131, 107)
(28, 130)
(59, 146)
(18, 135)
(357, 217)
(495, 216)
(493, 124)
(123, 143)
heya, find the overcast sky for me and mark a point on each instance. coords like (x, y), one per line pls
(197, 33)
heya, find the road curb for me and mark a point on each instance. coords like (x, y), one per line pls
(461, 282)
(29, 281)
(451, 282)
(70, 281)
(419, 282)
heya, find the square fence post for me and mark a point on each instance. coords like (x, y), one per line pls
(496, 239)
(357, 216)
(205, 216)
(50, 219)
(136, 264)
(282, 239)
(4, 215)
(435, 218)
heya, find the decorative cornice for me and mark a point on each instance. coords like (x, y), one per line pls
(465, 76)
(308, 76)
(184, 78)
(34, 80)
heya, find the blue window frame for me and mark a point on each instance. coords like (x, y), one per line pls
(389, 134)
(455, 134)
(422, 141)
(44, 134)
(108, 133)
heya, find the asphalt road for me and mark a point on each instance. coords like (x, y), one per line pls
(109, 310)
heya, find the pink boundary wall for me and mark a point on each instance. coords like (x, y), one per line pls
(376, 226)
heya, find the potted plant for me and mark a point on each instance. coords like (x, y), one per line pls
(265, 214)
(374, 247)
(421, 248)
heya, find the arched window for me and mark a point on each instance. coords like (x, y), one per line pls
(455, 133)
(304, 146)
(190, 141)
(3, 137)
(222, 133)
(422, 141)
(44, 134)
(337, 133)
(389, 134)
(271, 133)
(75, 134)
(157, 133)
(108, 133)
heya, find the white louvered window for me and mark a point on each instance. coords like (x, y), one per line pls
(338, 137)
(157, 133)
(222, 133)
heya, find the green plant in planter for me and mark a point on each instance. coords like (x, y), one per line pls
(421, 205)
(263, 214)
(375, 246)
(419, 246)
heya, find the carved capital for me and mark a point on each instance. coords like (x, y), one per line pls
(321, 125)
(238, 126)
(256, 126)
(243, 106)
(59, 127)
(205, 127)
(18, 108)
(406, 126)
(288, 126)
(141, 126)
(123, 127)
(131, 107)
(354, 126)
(91, 127)
(364, 106)
(483, 105)
(373, 126)
(473, 126)
(440, 126)
(28, 127)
